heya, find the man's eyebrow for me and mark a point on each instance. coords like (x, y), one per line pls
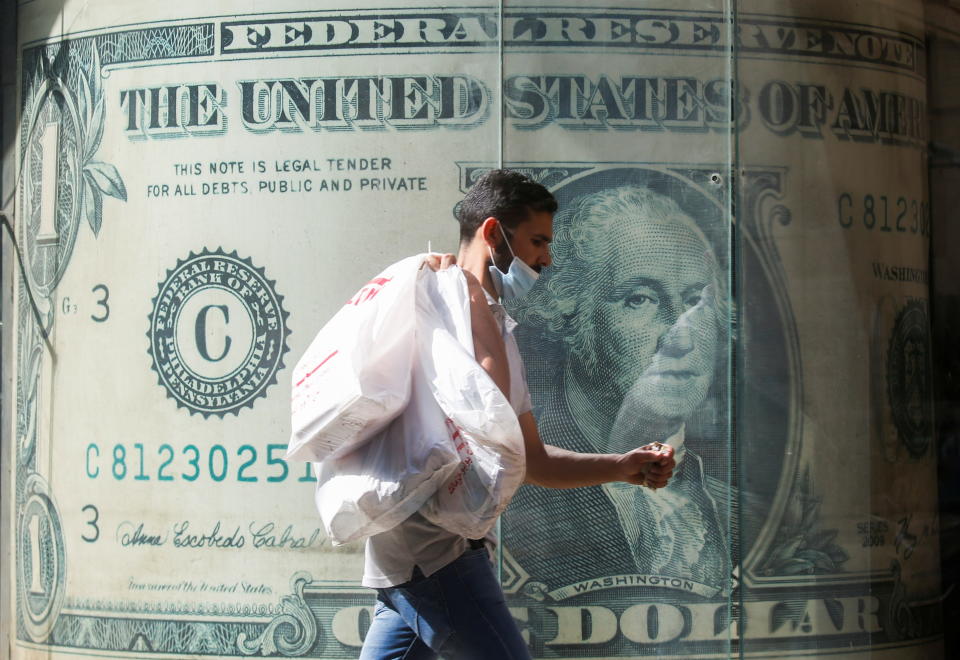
(544, 238)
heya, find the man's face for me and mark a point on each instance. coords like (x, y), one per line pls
(655, 326)
(530, 242)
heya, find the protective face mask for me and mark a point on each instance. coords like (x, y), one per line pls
(517, 281)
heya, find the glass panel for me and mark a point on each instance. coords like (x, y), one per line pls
(200, 191)
(624, 112)
(833, 412)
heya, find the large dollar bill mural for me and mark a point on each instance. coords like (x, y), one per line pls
(740, 269)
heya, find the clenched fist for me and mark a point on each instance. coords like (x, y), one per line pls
(651, 465)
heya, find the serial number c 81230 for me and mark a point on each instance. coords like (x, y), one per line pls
(244, 464)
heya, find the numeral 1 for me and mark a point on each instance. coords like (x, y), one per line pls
(33, 527)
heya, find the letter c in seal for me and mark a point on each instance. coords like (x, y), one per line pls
(201, 332)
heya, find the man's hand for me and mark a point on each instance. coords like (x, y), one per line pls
(439, 261)
(651, 465)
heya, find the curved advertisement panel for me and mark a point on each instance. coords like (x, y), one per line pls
(739, 269)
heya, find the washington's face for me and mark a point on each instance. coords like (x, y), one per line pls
(656, 328)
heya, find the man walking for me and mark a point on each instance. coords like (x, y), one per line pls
(437, 593)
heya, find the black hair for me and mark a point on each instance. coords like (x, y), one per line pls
(508, 196)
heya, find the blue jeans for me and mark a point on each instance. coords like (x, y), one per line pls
(458, 612)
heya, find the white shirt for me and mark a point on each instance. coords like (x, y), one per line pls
(391, 556)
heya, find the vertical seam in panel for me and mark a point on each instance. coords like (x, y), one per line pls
(500, 128)
(735, 352)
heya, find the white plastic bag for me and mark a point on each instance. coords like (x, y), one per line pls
(481, 424)
(355, 375)
(378, 485)
(455, 452)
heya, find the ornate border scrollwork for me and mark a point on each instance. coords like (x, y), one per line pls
(291, 633)
(760, 211)
(902, 620)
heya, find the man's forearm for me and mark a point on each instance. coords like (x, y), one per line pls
(554, 467)
(650, 465)
(559, 468)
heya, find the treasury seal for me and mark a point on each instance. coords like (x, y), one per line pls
(218, 333)
(909, 380)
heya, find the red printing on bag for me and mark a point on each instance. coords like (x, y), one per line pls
(464, 466)
(453, 429)
(314, 370)
(369, 290)
(463, 448)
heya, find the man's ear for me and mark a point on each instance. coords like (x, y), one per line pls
(490, 232)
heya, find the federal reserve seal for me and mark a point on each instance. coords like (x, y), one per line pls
(909, 380)
(218, 333)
